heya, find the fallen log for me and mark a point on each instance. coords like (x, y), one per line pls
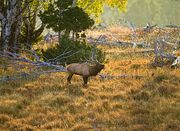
(109, 77)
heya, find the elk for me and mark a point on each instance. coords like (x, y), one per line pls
(84, 69)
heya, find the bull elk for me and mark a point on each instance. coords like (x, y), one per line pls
(84, 69)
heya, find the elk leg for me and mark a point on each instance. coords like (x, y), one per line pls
(85, 79)
(69, 78)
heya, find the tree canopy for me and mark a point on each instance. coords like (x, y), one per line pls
(61, 16)
(95, 7)
(18, 18)
(76, 14)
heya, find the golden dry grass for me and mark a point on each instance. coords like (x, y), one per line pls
(49, 103)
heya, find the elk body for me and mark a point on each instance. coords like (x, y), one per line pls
(83, 69)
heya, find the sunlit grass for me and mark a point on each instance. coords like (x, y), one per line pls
(49, 103)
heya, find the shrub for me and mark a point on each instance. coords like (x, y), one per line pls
(69, 51)
(135, 66)
(144, 95)
(160, 78)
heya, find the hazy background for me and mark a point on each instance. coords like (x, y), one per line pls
(140, 12)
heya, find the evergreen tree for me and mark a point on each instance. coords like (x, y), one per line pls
(61, 16)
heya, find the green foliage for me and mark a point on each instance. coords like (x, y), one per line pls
(64, 4)
(92, 7)
(61, 16)
(95, 7)
(48, 18)
(160, 78)
(31, 37)
(76, 19)
(71, 51)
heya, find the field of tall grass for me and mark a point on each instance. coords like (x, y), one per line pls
(148, 103)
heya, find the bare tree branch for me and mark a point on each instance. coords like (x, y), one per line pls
(38, 63)
(64, 53)
(68, 56)
(105, 76)
(74, 3)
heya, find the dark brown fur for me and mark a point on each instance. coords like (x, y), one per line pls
(83, 69)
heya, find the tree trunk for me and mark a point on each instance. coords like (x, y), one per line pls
(29, 32)
(5, 33)
(16, 43)
(11, 19)
(67, 33)
(59, 36)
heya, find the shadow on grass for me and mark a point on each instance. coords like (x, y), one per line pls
(8, 87)
(156, 103)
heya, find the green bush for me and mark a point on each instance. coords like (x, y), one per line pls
(69, 51)
(160, 78)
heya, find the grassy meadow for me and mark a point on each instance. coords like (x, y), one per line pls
(148, 103)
